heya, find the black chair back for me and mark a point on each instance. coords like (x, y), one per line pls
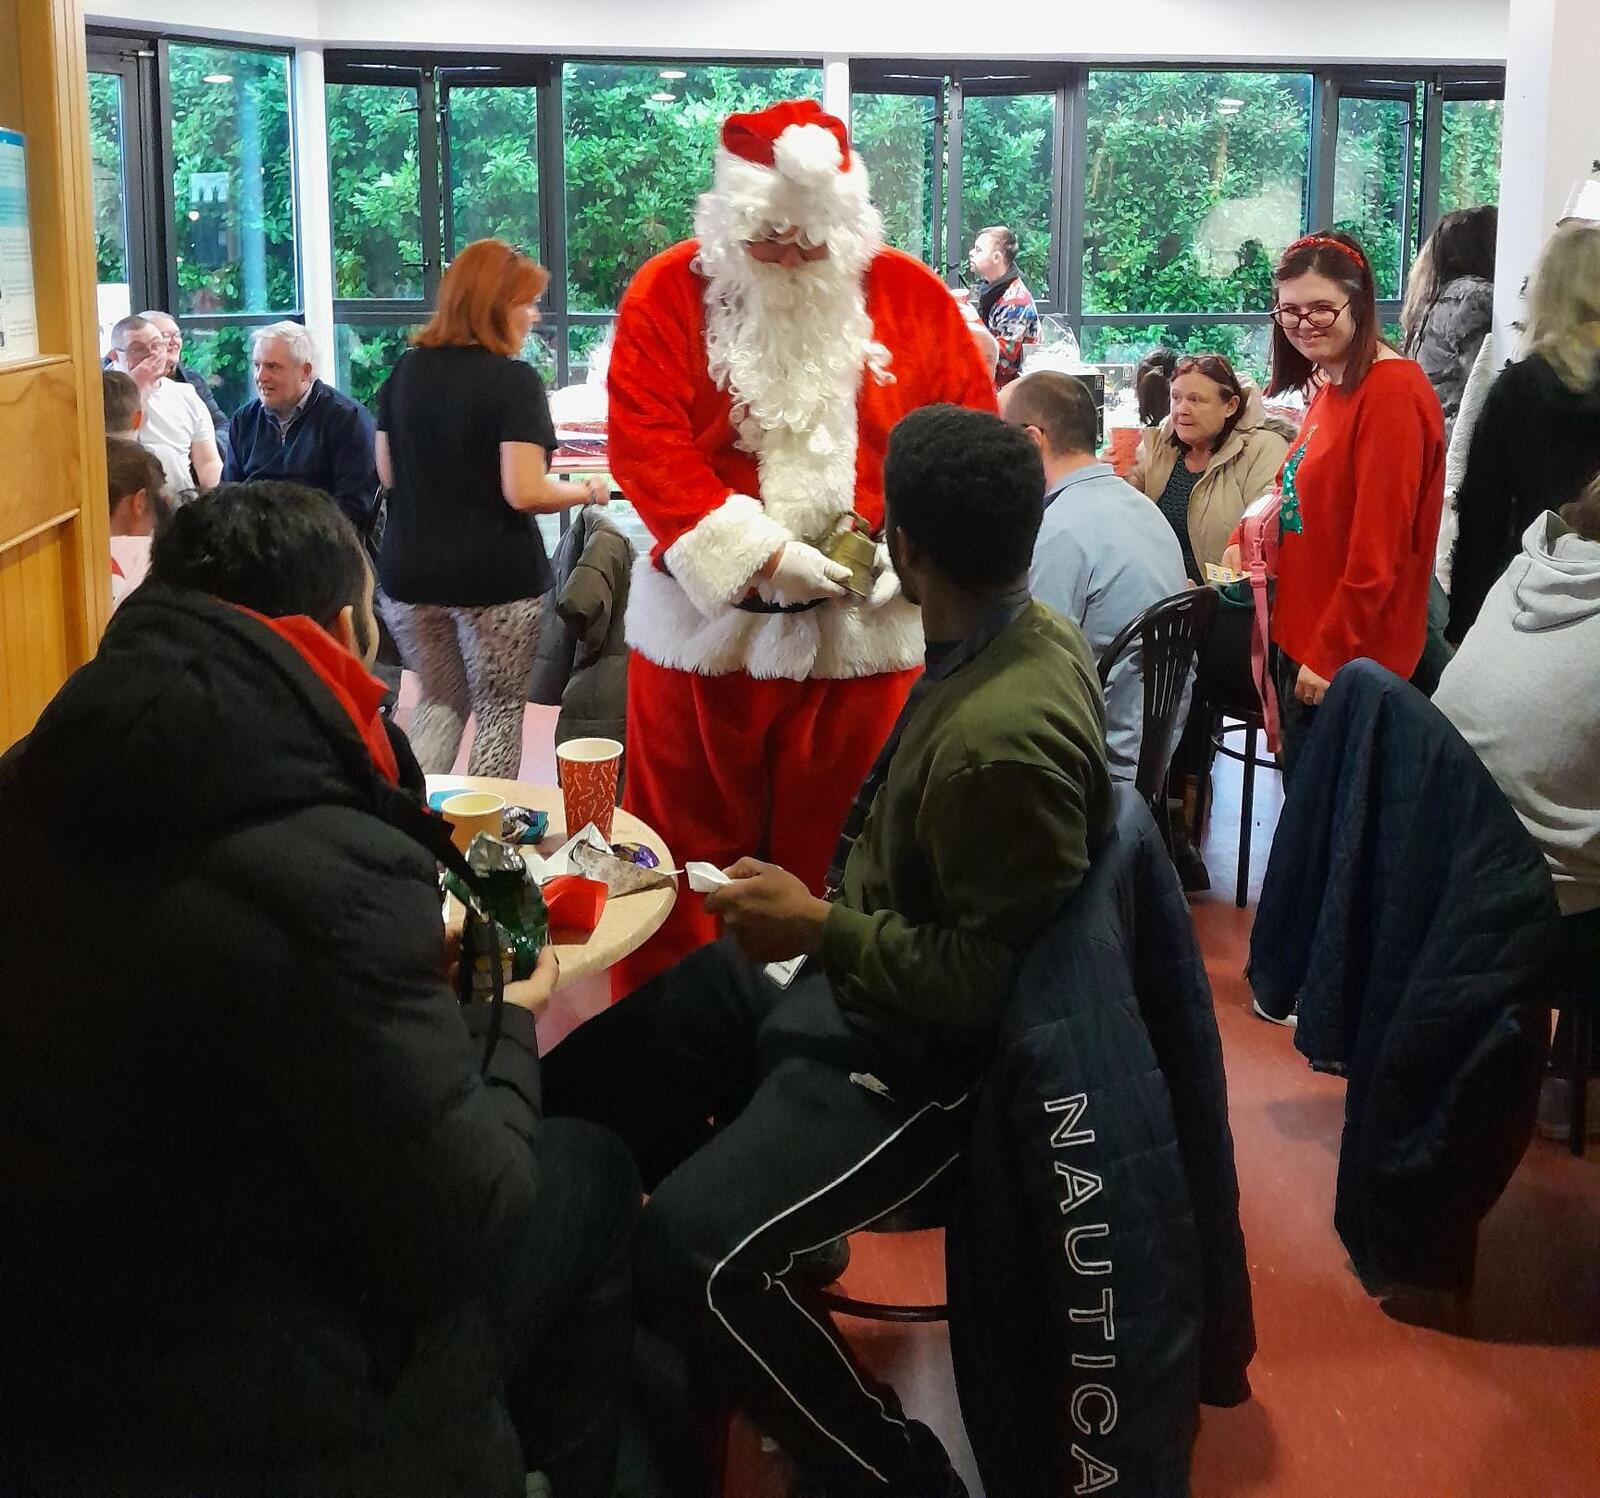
(1167, 634)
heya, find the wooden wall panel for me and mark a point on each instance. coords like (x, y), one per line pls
(36, 650)
(55, 590)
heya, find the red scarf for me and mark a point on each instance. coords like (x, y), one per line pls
(355, 689)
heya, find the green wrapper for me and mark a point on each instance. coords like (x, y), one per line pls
(509, 895)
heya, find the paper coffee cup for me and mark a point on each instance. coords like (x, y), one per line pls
(472, 812)
(587, 770)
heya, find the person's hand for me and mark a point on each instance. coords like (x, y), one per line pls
(149, 371)
(534, 992)
(1233, 558)
(596, 492)
(801, 574)
(886, 585)
(1310, 688)
(768, 912)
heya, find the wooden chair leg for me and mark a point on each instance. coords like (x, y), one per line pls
(1247, 811)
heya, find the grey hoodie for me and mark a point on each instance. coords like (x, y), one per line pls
(1524, 691)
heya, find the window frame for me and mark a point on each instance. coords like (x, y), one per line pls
(168, 195)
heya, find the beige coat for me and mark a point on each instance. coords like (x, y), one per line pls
(1240, 472)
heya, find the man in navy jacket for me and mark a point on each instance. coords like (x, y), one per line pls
(299, 428)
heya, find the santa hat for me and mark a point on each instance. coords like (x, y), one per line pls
(791, 167)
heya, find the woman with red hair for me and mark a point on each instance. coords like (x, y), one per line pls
(464, 444)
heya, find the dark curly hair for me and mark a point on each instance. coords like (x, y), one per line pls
(969, 490)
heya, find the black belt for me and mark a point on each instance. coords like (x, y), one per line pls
(761, 606)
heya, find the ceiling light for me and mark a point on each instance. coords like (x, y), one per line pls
(1230, 106)
(673, 73)
(664, 98)
(218, 78)
(194, 215)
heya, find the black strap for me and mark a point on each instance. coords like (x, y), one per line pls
(433, 832)
(993, 624)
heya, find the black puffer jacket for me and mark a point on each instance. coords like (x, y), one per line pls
(1413, 917)
(260, 1210)
(1097, 1278)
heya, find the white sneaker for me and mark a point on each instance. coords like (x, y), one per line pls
(1288, 1022)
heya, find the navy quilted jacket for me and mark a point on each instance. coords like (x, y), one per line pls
(1410, 912)
(1097, 1279)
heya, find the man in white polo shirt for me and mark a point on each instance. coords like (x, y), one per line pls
(177, 427)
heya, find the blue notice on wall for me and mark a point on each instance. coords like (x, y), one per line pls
(19, 324)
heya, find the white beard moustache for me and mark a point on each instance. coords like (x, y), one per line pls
(789, 345)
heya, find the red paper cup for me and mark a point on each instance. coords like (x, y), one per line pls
(587, 770)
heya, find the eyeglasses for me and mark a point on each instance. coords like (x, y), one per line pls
(1319, 319)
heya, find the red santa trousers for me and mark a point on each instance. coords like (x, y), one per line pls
(725, 767)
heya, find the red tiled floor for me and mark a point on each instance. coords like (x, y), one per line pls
(1347, 1400)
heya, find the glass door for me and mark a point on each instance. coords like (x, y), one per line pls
(382, 179)
(898, 120)
(1377, 151)
(117, 179)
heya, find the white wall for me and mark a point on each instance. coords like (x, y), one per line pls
(1551, 137)
(1468, 31)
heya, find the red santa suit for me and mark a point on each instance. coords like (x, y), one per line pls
(750, 730)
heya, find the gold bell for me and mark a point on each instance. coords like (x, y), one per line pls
(852, 546)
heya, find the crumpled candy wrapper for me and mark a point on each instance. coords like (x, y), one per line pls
(621, 876)
(511, 897)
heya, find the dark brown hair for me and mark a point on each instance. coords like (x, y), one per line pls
(1001, 238)
(1152, 386)
(121, 397)
(130, 468)
(1059, 405)
(484, 283)
(1220, 372)
(1340, 259)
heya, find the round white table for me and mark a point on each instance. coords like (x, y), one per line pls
(628, 921)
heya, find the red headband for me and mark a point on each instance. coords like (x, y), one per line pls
(1321, 241)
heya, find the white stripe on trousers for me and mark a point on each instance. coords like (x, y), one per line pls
(755, 1233)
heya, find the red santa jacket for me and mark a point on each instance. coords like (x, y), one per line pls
(673, 452)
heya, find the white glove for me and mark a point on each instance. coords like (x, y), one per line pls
(802, 575)
(886, 586)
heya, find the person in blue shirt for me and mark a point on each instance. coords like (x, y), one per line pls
(299, 428)
(1104, 552)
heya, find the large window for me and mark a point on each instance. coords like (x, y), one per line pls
(1193, 185)
(424, 156)
(1008, 177)
(194, 183)
(1469, 163)
(639, 141)
(898, 138)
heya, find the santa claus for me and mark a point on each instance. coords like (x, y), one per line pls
(756, 374)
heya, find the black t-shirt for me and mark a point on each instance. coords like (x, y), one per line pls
(451, 538)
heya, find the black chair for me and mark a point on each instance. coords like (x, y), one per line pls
(1167, 634)
(927, 1209)
(1230, 718)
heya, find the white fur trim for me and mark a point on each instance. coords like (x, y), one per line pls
(807, 154)
(715, 561)
(836, 641)
(808, 479)
(834, 208)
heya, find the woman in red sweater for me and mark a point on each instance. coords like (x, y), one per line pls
(1362, 487)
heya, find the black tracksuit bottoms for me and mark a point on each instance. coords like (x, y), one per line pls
(765, 1124)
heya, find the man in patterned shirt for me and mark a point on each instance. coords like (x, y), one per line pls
(1005, 304)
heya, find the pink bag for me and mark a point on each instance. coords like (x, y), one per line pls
(1260, 530)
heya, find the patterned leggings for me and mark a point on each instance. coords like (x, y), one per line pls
(468, 660)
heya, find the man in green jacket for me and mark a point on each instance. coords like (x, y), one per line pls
(772, 1112)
